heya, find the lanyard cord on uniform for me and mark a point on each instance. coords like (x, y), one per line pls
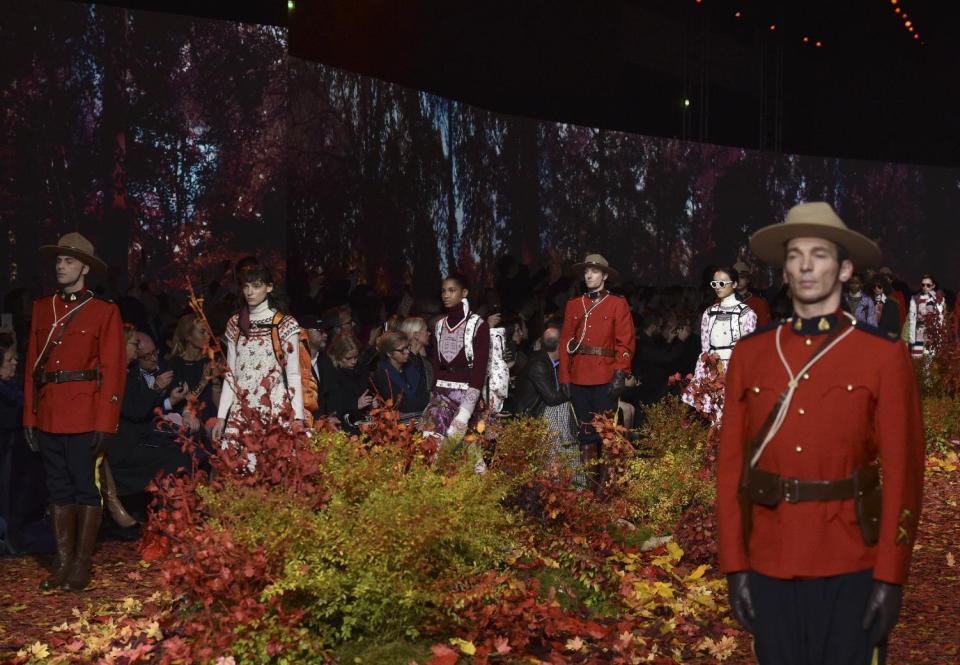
(791, 388)
(56, 320)
(586, 318)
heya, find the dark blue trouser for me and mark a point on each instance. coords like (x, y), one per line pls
(587, 402)
(815, 621)
(72, 468)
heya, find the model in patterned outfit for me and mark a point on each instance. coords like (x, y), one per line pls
(928, 301)
(252, 360)
(723, 324)
(459, 359)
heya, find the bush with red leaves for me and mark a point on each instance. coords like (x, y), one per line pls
(696, 534)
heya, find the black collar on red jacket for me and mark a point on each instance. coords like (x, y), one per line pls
(80, 295)
(595, 295)
(816, 325)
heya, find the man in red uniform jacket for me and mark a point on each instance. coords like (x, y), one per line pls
(75, 375)
(811, 404)
(758, 304)
(596, 349)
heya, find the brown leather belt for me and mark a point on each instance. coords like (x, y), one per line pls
(769, 489)
(595, 351)
(66, 376)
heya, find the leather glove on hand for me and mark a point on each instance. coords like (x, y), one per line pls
(30, 435)
(741, 604)
(883, 608)
(617, 384)
(101, 443)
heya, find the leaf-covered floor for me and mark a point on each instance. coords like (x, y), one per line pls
(124, 601)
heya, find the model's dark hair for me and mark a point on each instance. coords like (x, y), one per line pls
(251, 271)
(933, 279)
(882, 281)
(731, 272)
(460, 279)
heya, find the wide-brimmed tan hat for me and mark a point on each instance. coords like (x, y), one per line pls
(813, 220)
(75, 245)
(596, 261)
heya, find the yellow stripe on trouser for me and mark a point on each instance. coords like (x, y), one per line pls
(616, 413)
(96, 476)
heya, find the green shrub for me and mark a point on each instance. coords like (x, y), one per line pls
(374, 560)
(672, 476)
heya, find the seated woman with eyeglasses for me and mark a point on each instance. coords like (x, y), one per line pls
(722, 325)
(191, 366)
(349, 396)
(400, 376)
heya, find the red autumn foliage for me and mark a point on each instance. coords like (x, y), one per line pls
(219, 579)
(696, 534)
(944, 347)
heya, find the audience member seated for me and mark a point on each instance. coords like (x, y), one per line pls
(14, 455)
(418, 334)
(192, 368)
(146, 441)
(537, 385)
(349, 396)
(400, 376)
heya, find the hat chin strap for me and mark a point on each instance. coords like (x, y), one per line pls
(72, 284)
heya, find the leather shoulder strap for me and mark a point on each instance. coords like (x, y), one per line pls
(58, 336)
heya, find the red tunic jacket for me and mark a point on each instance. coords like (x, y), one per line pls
(610, 327)
(860, 400)
(760, 307)
(93, 338)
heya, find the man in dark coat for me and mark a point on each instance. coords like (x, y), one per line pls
(538, 385)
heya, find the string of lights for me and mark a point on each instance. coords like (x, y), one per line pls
(808, 40)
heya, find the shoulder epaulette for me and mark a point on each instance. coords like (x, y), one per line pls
(97, 296)
(878, 332)
(765, 328)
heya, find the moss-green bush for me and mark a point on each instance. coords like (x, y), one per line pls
(671, 476)
(373, 561)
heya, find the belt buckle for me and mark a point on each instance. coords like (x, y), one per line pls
(791, 490)
(56, 376)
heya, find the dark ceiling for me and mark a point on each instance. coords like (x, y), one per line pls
(870, 91)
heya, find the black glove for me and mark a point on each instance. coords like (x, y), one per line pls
(30, 434)
(883, 608)
(101, 443)
(741, 604)
(617, 384)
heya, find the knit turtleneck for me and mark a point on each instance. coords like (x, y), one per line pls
(262, 311)
(730, 301)
(455, 314)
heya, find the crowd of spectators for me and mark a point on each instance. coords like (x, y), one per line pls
(366, 348)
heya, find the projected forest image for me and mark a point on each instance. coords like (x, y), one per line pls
(159, 137)
(177, 144)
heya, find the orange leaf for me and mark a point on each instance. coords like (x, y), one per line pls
(443, 655)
